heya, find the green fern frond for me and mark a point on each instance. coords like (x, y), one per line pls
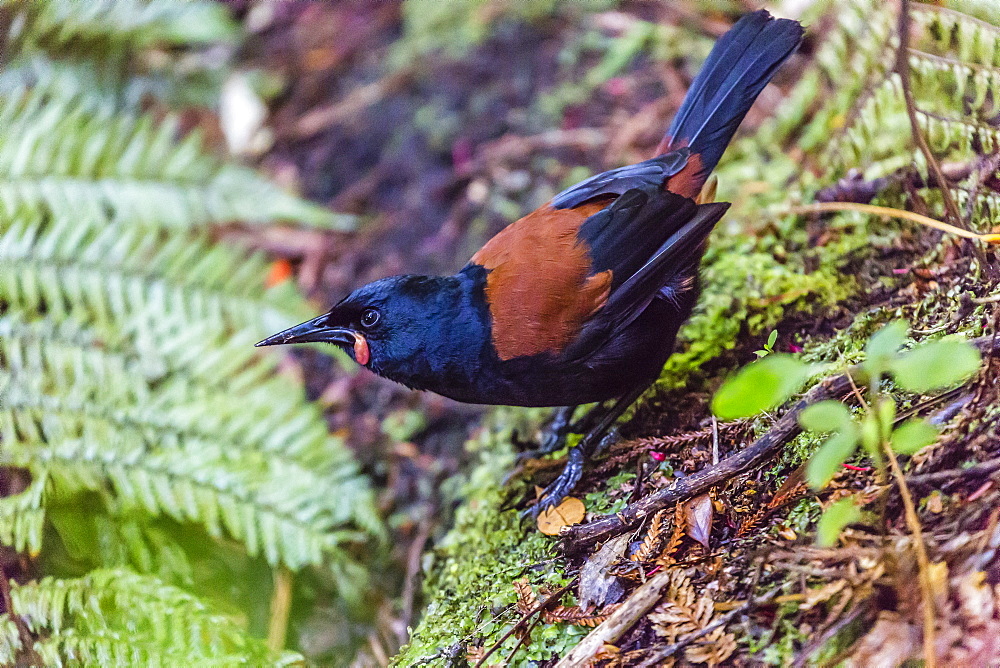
(64, 156)
(985, 207)
(247, 404)
(963, 134)
(132, 402)
(124, 24)
(95, 87)
(128, 366)
(954, 79)
(273, 508)
(22, 516)
(109, 275)
(90, 419)
(938, 80)
(116, 617)
(971, 39)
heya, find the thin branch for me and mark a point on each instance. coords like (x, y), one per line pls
(769, 444)
(903, 70)
(522, 641)
(415, 551)
(353, 105)
(524, 620)
(828, 633)
(985, 468)
(620, 621)
(281, 606)
(823, 207)
(924, 564)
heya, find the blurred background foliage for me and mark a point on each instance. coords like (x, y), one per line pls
(171, 494)
(149, 451)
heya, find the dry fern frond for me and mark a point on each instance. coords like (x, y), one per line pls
(653, 539)
(684, 612)
(574, 615)
(526, 599)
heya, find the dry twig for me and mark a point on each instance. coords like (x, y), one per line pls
(903, 70)
(786, 428)
(827, 207)
(926, 586)
(988, 467)
(620, 621)
(525, 618)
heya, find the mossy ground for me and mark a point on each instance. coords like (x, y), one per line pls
(825, 285)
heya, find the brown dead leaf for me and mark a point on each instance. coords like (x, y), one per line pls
(552, 520)
(598, 587)
(890, 642)
(934, 502)
(698, 515)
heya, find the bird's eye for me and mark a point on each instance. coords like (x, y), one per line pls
(369, 317)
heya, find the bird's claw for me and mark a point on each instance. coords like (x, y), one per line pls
(560, 488)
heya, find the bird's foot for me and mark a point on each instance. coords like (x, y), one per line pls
(560, 488)
(595, 442)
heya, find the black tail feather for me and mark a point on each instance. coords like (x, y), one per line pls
(736, 71)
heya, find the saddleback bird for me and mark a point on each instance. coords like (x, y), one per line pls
(579, 301)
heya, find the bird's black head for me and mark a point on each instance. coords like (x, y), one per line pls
(395, 325)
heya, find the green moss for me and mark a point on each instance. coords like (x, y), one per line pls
(785, 638)
(470, 575)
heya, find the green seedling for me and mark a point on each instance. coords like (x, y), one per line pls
(928, 367)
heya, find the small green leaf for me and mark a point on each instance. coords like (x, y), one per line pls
(886, 408)
(936, 365)
(871, 436)
(883, 345)
(913, 435)
(829, 415)
(772, 338)
(760, 386)
(834, 519)
(826, 461)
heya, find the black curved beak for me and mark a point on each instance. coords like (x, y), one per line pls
(312, 331)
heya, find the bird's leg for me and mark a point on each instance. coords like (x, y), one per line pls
(594, 440)
(560, 426)
(589, 419)
(554, 435)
